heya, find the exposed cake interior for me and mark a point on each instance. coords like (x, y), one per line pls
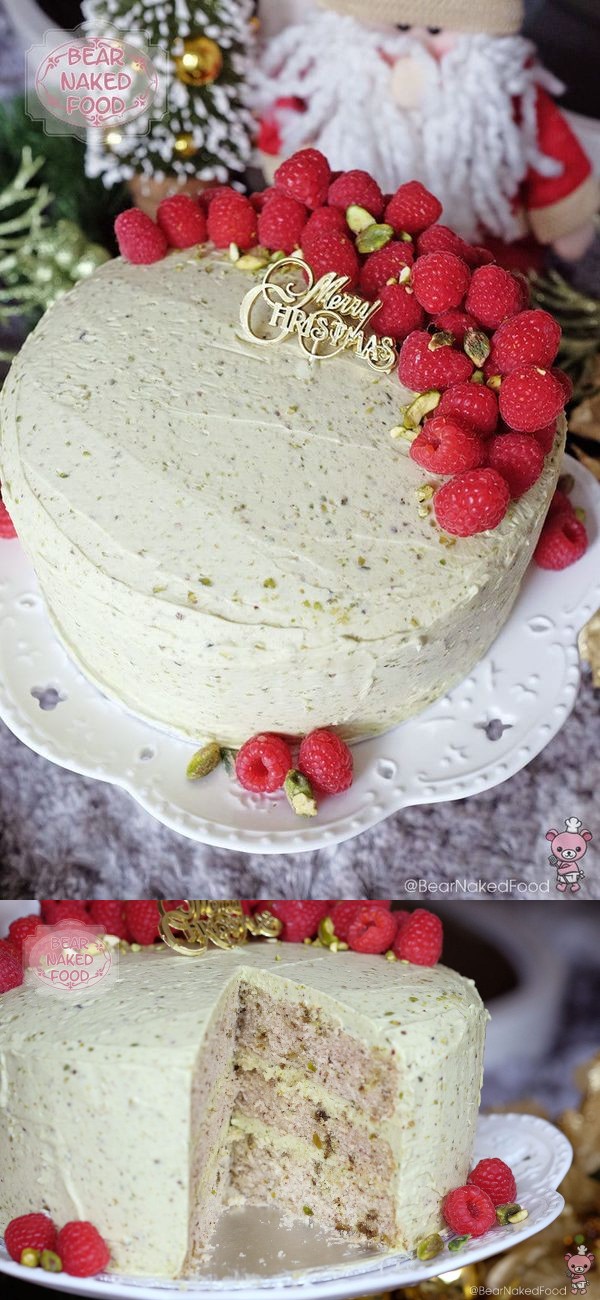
(289, 1107)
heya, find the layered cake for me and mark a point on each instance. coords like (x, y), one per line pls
(227, 538)
(345, 1087)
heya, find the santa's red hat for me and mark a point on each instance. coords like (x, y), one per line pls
(495, 17)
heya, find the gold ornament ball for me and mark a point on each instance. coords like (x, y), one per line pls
(185, 147)
(200, 63)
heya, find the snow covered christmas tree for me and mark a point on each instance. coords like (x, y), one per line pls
(201, 50)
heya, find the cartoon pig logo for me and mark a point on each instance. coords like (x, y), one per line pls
(578, 1266)
(568, 847)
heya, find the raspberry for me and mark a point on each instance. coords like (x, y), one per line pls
(281, 223)
(563, 540)
(110, 913)
(6, 945)
(356, 187)
(420, 938)
(263, 763)
(372, 929)
(69, 909)
(565, 381)
(323, 221)
(530, 338)
(446, 445)
(181, 220)
(142, 918)
(494, 295)
(399, 314)
(471, 502)
(260, 197)
(384, 265)
(529, 398)
(332, 252)
(21, 929)
(7, 528)
(232, 220)
(469, 1210)
(519, 459)
(474, 404)
(29, 1232)
(11, 970)
(495, 1178)
(440, 281)
(440, 239)
(326, 761)
(478, 255)
(82, 1250)
(412, 209)
(559, 504)
(139, 238)
(546, 436)
(456, 322)
(422, 366)
(206, 196)
(306, 176)
(343, 913)
(300, 917)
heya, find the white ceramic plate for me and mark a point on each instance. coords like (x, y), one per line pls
(278, 1263)
(479, 734)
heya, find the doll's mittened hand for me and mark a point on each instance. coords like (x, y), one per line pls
(407, 83)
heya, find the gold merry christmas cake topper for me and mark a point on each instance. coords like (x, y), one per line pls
(325, 318)
(199, 922)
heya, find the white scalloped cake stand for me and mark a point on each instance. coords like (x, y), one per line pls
(538, 1154)
(479, 734)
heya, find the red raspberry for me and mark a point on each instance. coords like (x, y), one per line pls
(70, 909)
(110, 913)
(82, 1250)
(343, 913)
(519, 458)
(281, 223)
(440, 281)
(7, 528)
(206, 196)
(563, 540)
(372, 929)
(422, 366)
(29, 1232)
(546, 436)
(446, 445)
(300, 917)
(323, 222)
(232, 220)
(6, 945)
(306, 176)
(559, 504)
(332, 252)
(531, 338)
(469, 1210)
(471, 502)
(495, 1178)
(11, 970)
(478, 255)
(139, 238)
(420, 938)
(21, 929)
(399, 314)
(456, 322)
(441, 239)
(565, 381)
(530, 397)
(412, 209)
(141, 919)
(181, 220)
(384, 265)
(356, 187)
(494, 295)
(263, 763)
(474, 404)
(260, 197)
(326, 761)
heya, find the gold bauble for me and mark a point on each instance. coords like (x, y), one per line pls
(200, 63)
(185, 145)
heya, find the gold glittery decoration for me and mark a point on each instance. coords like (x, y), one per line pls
(201, 62)
(185, 145)
(190, 929)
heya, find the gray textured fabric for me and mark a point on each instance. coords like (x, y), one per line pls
(65, 836)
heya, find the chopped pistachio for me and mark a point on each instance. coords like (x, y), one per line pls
(390, 956)
(234, 253)
(401, 431)
(228, 757)
(269, 582)
(494, 381)
(358, 218)
(204, 761)
(30, 1258)
(580, 514)
(519, 1215)
(376, 236)
(252, 262)
(326, 931)
(307, 1210)
(421, 406)
(441, 339)
(477, 346)
(457, 1243)
(424, 492)
(51, 1261)
(503, 1212)
(300, 794)
(430, 1246)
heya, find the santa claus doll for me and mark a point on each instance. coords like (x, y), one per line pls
(443, 91)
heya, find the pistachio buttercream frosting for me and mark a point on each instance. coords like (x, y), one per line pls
(227, 538)
(343, 1086)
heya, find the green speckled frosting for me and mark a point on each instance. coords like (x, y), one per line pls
(95, 1099)
(228, 539)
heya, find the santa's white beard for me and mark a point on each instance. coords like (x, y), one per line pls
(462, 141)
